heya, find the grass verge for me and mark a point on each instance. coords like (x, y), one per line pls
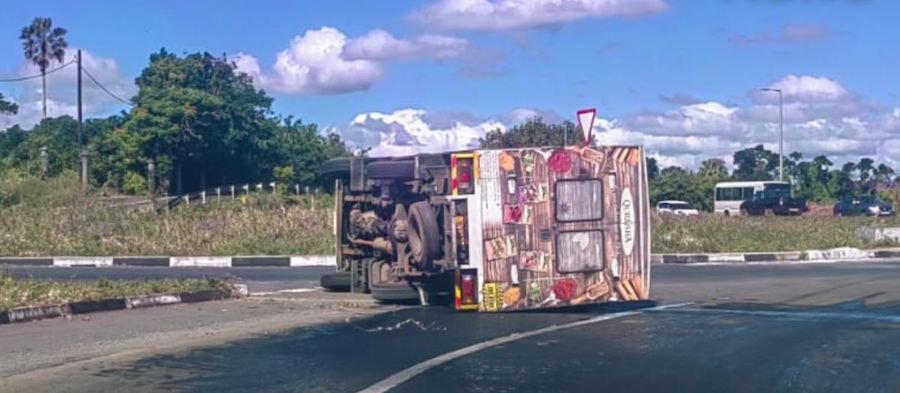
(708, 233)
(53, 218)
(28, 292)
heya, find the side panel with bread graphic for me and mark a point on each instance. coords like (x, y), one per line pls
(563, 227)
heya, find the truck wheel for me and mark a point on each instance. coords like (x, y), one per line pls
(424, 239)
(400, 292)
(335, 166)
(399, 170)
(337, 281)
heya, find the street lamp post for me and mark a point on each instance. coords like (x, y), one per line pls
(781, 129)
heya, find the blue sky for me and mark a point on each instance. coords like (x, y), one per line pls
(660, 72)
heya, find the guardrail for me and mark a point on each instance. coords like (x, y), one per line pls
(233, 191)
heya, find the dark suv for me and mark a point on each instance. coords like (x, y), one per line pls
(865, 205)
(775, 201)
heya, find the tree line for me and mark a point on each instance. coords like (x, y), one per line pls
(817, 179)
(194, 117)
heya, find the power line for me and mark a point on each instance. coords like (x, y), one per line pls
(25, 78)
(126, 102)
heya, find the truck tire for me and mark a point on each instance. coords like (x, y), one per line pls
(395, 170)
(424, 237)
(400, 292)
(335, 166)
(337, 281)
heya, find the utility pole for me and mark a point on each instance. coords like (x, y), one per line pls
(83, 153)
(80, 119)
(781, 130)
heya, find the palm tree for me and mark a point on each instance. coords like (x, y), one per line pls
(43, 44)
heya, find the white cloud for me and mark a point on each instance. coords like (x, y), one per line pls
(326, 61)
(804, 88)
(495, 15)
(407, 131)
(62, 95)
(691, 120)
(381, 45)
(823, 117)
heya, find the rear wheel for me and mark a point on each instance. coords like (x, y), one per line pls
(424, 237)
(335, 167)
(337, 281)
(398, 292)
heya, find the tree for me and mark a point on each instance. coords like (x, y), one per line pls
(713, 167)
(7, 107)
(43, 44)
(755, 163)
(676, 183)
(205, 125)
(652, 168)
(58, 135)
(532, 133)
(884, 173)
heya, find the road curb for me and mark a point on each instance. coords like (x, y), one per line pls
(27, 314)
(175, 261)
(808, 256)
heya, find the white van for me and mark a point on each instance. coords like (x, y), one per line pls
(730, 195)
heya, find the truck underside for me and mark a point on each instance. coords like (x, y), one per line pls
(390, 220)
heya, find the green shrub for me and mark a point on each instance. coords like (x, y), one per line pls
(134, 183)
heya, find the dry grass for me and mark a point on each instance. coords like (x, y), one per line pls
(54, 218)
(709, 233)
(19, 293)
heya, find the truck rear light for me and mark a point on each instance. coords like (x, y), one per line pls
(462, 174)
(466, 292)
(468, 286)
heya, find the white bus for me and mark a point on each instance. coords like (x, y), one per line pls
(729, 195)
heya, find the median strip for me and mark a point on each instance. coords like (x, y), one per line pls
(29, 299)
(176, 261)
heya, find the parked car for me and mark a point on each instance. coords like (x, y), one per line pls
(775, 201)
(864, 205)
(678, 208)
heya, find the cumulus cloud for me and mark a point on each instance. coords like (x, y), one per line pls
(62, 95)
(406, 132)
(326, 61)
(816, 122)
(381, 45)
(788, 34)
(496, 15)
(804, 88)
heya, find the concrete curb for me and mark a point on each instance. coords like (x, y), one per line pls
(158, 261)
(26, 314)
(829, 255)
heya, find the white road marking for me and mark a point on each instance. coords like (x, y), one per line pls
(795, 314)
(83, 261)
(200, 262)
(296, 290)
(395, 380)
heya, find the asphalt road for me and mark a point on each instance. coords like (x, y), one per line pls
(781, 328)
(258, 279)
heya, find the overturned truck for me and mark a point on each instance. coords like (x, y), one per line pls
(494, 230)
